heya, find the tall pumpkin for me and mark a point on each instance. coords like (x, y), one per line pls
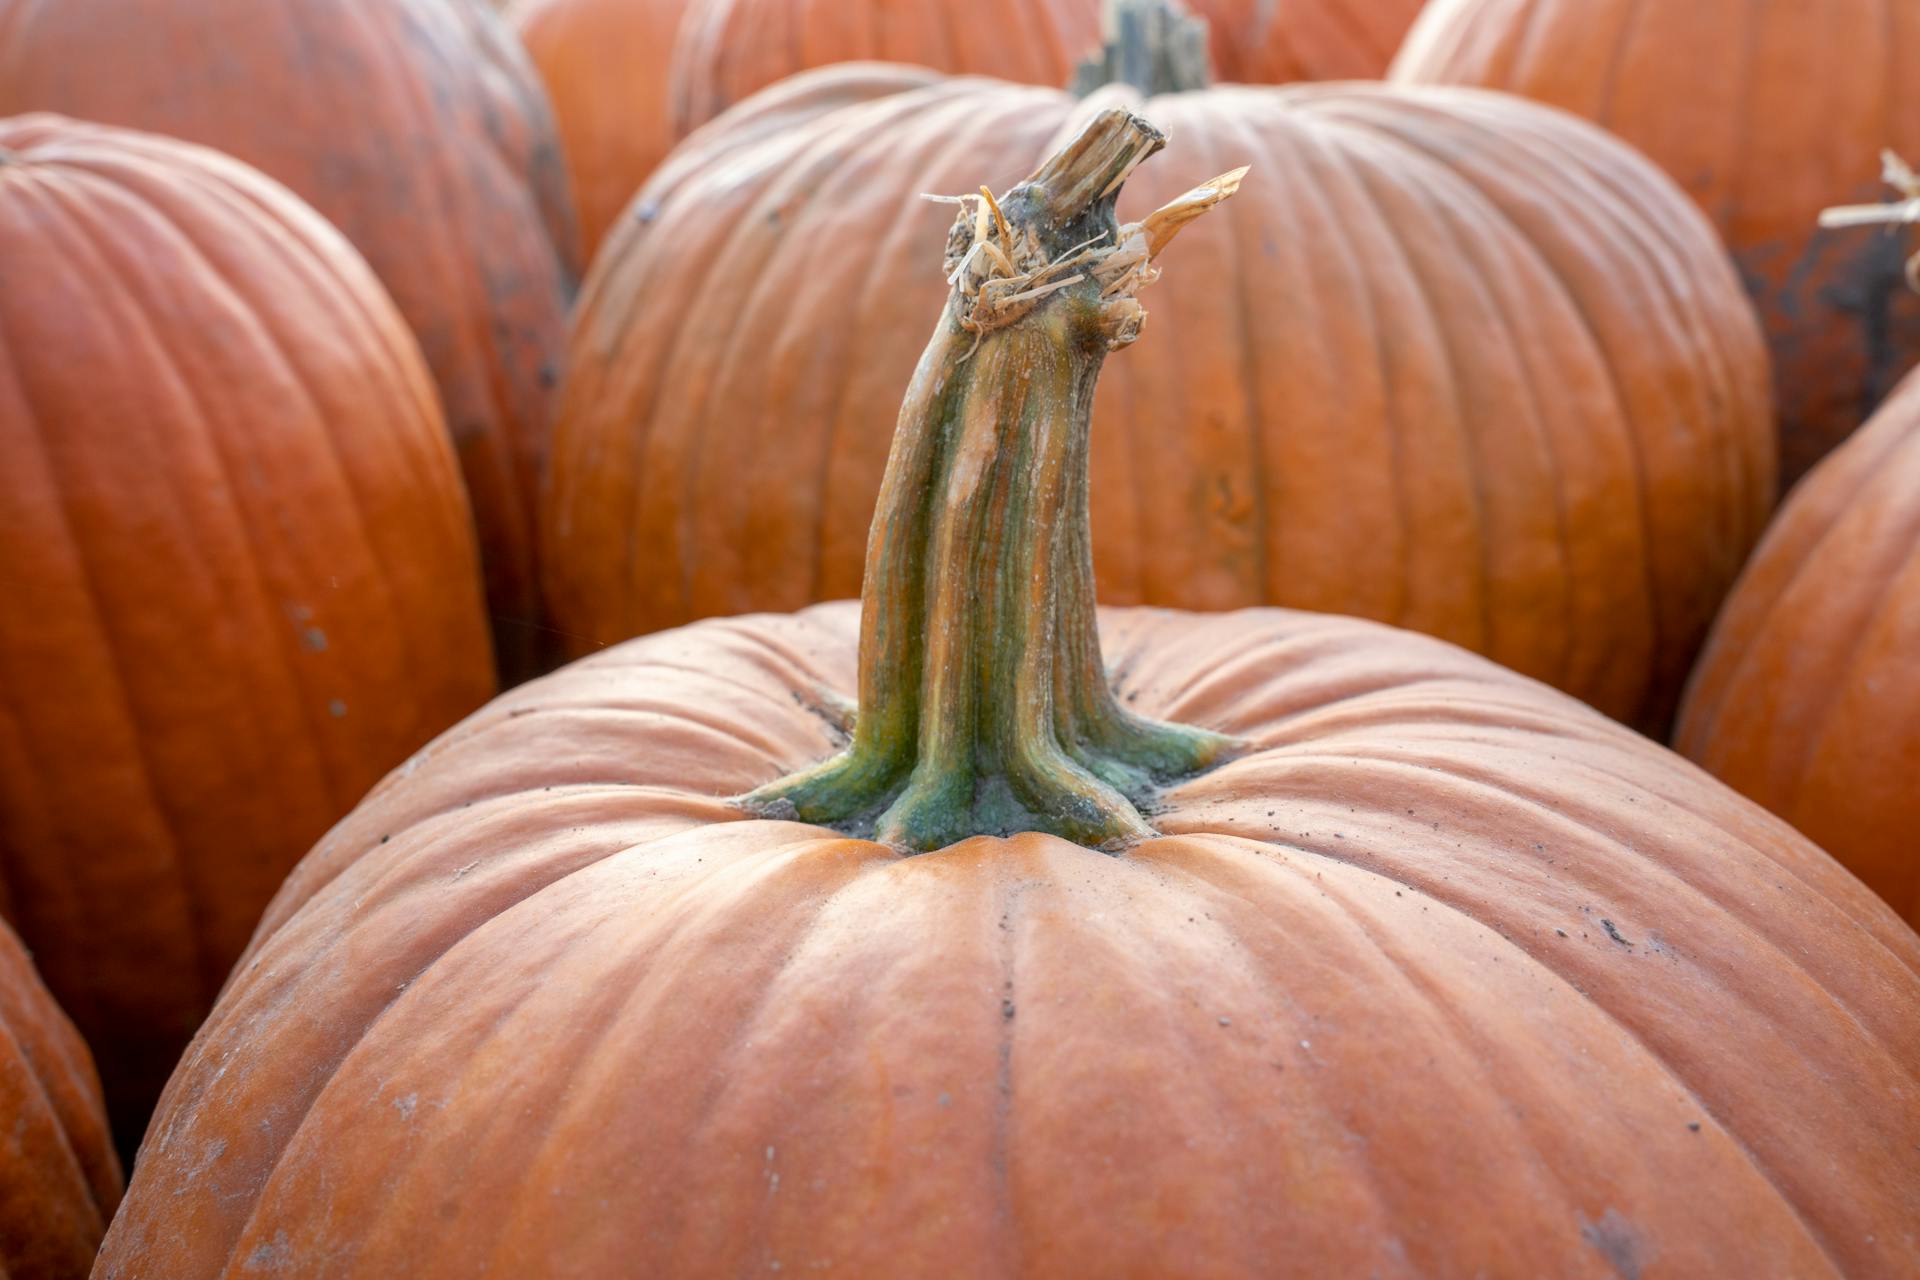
(1808, 695)
(59, 1179)
(240, 574)
(1766, 113)
(1453, 361)
(1435, 972)
(417, 128)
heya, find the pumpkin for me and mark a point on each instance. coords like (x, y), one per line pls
(629, 78)
(59, 1179)
(607, 65)
(241, 580)
(418, 128)
(1277, 41)
(1807, 697)
(1766, 113)
(1454, 362)
(1430, 971)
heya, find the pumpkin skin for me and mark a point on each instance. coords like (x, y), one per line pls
(59, 1179)
(240, 572)
(416, 127)
(607, 66)
(546, 991)
(1766, 113)
(1279, 41)
(1807, 698)
(1553, 488)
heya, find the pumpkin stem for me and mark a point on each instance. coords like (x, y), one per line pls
(1154, 45)
(985, 708)
(1899, 175)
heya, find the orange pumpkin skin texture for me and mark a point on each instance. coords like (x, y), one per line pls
(1807, 697)
(1358, 1010)
(730, 49)
(240, 572)
(1415, 377)
(1279, 41)
(607, 65)
(1766, 113)
(59, 1179)
(416, 127)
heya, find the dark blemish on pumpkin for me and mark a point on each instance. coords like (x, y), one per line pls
(1616, 1240)
(271, 1256)
(384, 839)
(1006, 1007)
(549, 376)
(1561, 932)
(1694, 1127)
(1614, 933)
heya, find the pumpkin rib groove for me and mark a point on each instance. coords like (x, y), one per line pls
(1414, 271)
(330, 1072)
(1835, 684)
(426, 828)
(1437, 893)
(1575, 308)
(72, 1169)
(112, 644)
(476, 351)
(1646, 1049)
(1245, 143)
(1340, 233)
(1527, 800)
(1459, 1032)
(274, 347)
(161, 342)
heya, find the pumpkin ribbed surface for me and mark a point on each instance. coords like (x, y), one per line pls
(240, 573)
(1445, 976)
(1277, 41)
(59, 1180)
(1807, 698)
(1451, 361)
(1767, 113)
(416, 127)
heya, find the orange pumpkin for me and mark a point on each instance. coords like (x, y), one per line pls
(1453, 362)
(416, 127)
(1766, 113)
(607, 65)
(241, 581)
(1808, 696)
(629, 78)
(1277, 41)
(1440, 974)
(59, 1180)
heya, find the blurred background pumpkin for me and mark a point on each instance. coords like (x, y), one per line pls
(418, 128)
(1766, 112)
(1452, 361)
(240, 574)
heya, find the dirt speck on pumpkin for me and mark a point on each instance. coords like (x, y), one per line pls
(1614, 933)
(1619, 1242)
(272, 1256)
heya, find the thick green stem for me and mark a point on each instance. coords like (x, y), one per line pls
(1154, 45)
(984, 706)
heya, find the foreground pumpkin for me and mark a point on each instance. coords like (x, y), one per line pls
(418, 129)
(1453, 362)
(1766, 113)
(1434, 973)
(1808, 696)
(240, 573)
(59, 1180)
